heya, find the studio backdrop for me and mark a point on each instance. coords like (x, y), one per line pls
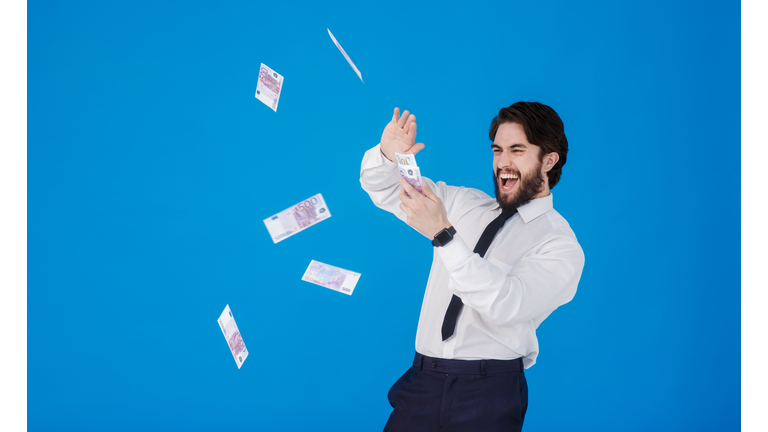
(153, 165)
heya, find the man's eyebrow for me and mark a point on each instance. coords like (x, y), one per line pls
(511, 146)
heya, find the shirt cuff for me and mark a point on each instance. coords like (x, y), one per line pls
(455, 253)
(383, 158)
(374, 158)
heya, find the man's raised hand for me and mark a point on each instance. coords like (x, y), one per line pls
(400, 136)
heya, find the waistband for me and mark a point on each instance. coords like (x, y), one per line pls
(467, 367)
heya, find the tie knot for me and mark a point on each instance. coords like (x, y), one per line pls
(506, 214)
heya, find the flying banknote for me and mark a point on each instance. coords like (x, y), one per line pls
(331, 277)
(297, 218)
(349, 60)
(233, 337)
(269, 87)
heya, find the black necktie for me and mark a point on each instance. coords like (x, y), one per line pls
(449, 322)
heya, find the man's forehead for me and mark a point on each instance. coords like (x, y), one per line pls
(509, 134)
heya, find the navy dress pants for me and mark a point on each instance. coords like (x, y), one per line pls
(459, 396)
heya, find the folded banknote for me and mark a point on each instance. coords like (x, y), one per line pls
(409, 170)
(297, 218)
(232, 335)
(269, 87)
(328, 276)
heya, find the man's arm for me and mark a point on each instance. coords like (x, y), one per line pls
(536, 285)
(378, 177)
(379, 174)
(381, 179)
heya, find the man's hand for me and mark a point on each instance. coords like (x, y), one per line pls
(400, 136)
(426, 213)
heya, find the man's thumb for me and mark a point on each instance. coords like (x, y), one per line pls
(415, 148)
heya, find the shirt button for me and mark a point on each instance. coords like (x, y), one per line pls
(434, 365)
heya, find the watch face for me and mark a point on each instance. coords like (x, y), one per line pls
(444, 237)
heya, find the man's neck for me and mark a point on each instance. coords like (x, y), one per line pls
(543, 193)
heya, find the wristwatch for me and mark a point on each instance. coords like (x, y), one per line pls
(444, 237)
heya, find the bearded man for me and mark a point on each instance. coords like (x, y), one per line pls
(500, 267)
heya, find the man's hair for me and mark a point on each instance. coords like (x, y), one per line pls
(542, 127)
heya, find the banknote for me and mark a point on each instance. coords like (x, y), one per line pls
(349, 60)
(409, 170)
(328, 276)
(232, 335)
(269, 87)
(297, 218)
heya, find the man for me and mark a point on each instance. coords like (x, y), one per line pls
(500, 268)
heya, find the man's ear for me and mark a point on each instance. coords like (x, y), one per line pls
(550, 159)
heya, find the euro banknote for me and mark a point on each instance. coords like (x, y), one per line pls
(269, 87)
(297, 218)
(328, 276)
(233, 337)
(409, 170)
(349, 60)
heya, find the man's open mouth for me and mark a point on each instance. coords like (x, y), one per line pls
(508, 181)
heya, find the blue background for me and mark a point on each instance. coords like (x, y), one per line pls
(151, 167)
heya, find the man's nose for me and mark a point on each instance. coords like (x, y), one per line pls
(505, 160)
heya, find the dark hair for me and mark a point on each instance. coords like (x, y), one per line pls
(542, 127)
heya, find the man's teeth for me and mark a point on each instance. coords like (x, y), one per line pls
(508, 176)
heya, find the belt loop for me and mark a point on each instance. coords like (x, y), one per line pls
(421, 362)
(482, 367)
(522, 366)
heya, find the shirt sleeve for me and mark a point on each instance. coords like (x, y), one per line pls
(538, 284)
(379, 178)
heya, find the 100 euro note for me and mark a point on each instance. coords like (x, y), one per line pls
(233, 337)
(297, 218)
(269, 87)
(409, 170)
(328, 276)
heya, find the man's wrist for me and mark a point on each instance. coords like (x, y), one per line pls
(385, 155)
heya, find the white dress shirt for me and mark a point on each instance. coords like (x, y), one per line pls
(531, 268)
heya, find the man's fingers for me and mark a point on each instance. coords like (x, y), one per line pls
(411, 128)
(428, 192)
(415, 148)
(407, 187)
(396, 115)
(403, 196)
(403, 119)
(411, 120)
(405, 210)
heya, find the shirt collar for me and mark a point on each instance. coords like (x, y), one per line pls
(535, 208)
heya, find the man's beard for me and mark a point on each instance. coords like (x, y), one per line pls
(529, 185)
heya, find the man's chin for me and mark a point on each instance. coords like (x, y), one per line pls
(506, 200)
(507, 196)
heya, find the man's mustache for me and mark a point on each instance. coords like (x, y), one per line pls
(507, 171)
